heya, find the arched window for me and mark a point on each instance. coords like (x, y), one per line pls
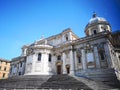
(66, 37)
(39, 56)
(59, 57)
(50, 58)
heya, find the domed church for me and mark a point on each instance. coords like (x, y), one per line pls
(93, 56)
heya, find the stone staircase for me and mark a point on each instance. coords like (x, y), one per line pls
(98, 74)
(106, 76)
(42, 82)
(54, 82)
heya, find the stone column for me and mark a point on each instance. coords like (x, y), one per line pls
(64, 68)
(118, 61)
(53, 64)
(96, 57)
(108, 56)
(83, 59)
(75, 62)
(71, 63)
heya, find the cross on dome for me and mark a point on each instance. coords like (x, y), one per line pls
(94, 15)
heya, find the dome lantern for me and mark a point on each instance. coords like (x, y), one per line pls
(94, 15)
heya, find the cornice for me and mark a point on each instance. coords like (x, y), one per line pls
(20, 58)
(90, 38)
(4, 60)
(42, 47)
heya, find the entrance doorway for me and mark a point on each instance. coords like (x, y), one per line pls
(68, 68)
(58, 69)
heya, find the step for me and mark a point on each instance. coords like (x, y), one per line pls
(31, 82)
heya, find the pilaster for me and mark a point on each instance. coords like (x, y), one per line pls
(90, 32)
(70, 36)
(99, 28)
(45, 63)
(33, 63)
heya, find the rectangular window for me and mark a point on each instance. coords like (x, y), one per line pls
(39, 57)
(102, 55)
(90, 60)
(21, 64)
(50, 58)
(95, 32)
(19, 73)
(3, 75)
(4, 68)
(79, 59)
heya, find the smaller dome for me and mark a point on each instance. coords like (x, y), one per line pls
(96, 24)
(96, 19)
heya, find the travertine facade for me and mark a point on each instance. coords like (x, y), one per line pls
(4, 68)
(66, 53)
(17, 66)
(115, 51)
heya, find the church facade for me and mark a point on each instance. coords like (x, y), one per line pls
(66, 53)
